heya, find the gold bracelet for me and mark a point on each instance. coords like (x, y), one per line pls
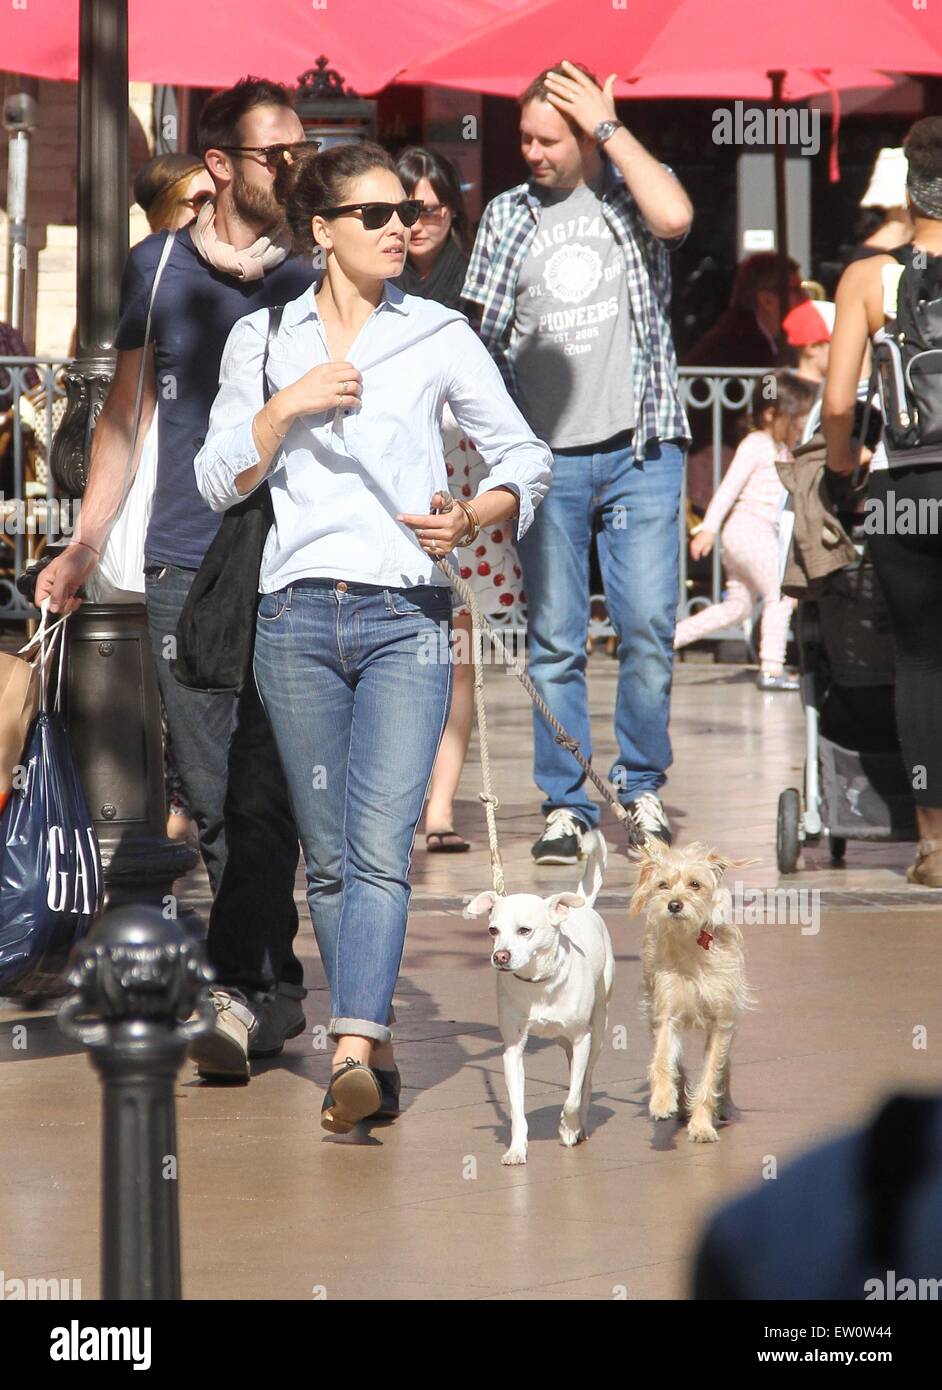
(268, 421)
(475, 522)
(470, 531)
(472, 518)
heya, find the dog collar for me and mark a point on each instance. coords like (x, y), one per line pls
(705, 938)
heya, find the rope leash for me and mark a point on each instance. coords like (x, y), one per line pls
(480, 625)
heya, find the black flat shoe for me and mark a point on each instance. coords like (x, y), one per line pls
(353, 1093)
(390, 1085)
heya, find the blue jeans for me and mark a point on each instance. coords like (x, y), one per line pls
(637, 503)
(357, 685)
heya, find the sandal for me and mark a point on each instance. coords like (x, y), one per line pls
(919, 872)
(442, 848)
(353, 1093)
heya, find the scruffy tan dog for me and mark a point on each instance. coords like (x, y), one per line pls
(692, 973)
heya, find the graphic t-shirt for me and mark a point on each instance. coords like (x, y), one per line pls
(194, 309)
(571, 338)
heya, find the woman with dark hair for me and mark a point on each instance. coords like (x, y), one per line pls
(438, 249)
(352, 649)
(435, 269)
(908, 565)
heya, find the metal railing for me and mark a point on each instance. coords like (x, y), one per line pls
(30, 512)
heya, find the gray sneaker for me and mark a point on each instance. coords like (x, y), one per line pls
(223, 1055)
(280, 1017)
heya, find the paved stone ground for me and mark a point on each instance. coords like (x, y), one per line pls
(271, 1207)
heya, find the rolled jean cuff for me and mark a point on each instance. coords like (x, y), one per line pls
(359, 1027)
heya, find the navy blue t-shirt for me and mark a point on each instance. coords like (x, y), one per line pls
(194, 310)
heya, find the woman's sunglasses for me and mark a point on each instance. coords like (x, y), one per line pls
(376, 215)
(198, 201)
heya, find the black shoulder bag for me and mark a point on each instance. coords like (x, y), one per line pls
(216, 631)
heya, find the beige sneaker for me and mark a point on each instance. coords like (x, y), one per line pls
(223, 1054)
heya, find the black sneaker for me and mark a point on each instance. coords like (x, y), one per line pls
(561, 841)
(648, 819)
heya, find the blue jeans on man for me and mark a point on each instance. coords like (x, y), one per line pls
(636, 501)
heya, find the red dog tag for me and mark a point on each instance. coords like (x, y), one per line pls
(704, 939)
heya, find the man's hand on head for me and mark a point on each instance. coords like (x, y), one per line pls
(575, 95)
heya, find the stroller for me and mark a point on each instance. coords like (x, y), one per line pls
(855, 784)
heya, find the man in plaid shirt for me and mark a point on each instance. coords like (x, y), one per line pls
(571, 273)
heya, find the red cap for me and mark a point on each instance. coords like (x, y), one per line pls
(811, 321)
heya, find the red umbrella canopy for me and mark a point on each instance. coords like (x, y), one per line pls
(695, 47)
(212, 43)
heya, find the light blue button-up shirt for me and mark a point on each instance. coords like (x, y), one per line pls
(340, 477)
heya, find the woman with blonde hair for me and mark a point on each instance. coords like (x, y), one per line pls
(173, 189)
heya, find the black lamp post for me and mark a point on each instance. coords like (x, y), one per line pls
(111, 703)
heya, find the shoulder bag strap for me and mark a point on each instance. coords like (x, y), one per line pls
(164, 257)
(274, 323)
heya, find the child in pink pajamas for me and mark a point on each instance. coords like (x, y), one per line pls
(748, 501)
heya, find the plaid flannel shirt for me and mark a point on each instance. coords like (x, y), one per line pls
(507, 228)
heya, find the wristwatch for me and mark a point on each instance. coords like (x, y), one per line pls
(605, 130)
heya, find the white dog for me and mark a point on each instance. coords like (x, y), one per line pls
(692, 977)
(555, 964)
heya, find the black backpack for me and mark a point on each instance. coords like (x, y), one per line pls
(907, 360)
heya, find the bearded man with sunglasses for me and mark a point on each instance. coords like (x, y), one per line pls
(233, 260)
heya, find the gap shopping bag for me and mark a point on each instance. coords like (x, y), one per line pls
(50, 866)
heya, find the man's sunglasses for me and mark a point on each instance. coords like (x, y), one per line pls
(271, 154)
(376, 215)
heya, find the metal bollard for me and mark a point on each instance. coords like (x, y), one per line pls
(135, 976)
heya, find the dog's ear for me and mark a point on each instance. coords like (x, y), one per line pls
(720, 863)
(484, 902)
(649, 867)
(557, 907)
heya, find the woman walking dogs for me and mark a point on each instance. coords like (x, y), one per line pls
(348, 653)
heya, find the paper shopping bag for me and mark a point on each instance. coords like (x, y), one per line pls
(19, 701)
